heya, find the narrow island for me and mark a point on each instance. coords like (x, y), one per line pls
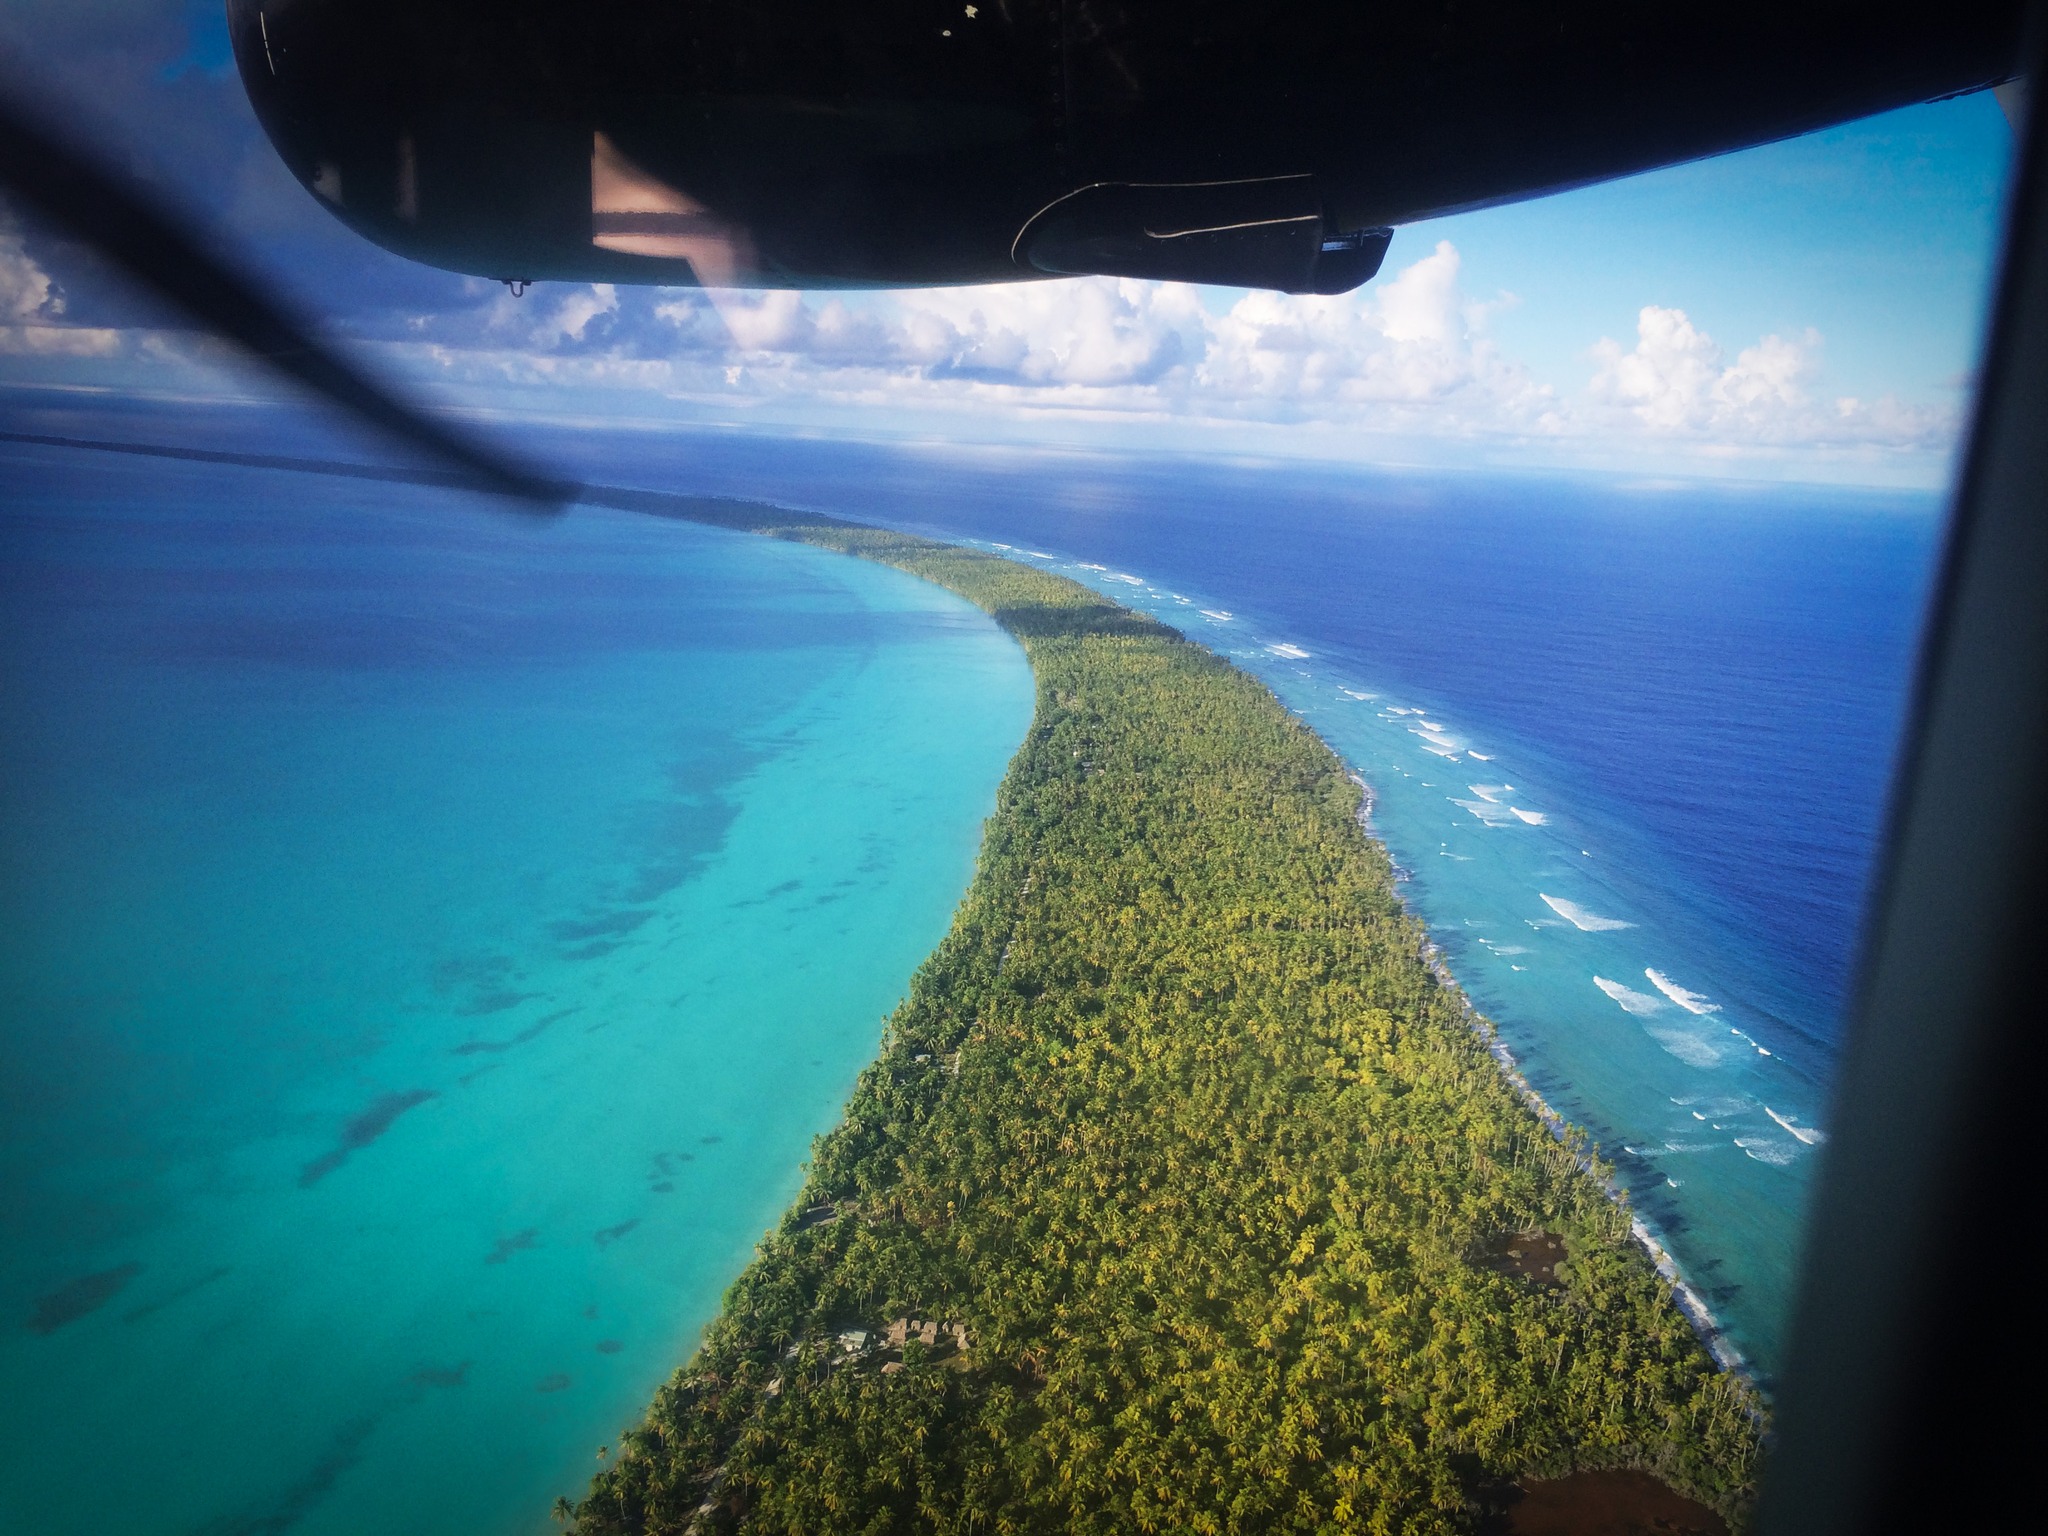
(1184, 1195)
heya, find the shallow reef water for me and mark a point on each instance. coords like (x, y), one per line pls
(429, 944)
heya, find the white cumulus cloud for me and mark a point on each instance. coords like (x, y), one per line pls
(32, 310)
(1414, 349)
(1411, 358)
(1676, 382)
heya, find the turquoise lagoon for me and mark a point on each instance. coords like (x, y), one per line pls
(429, 942)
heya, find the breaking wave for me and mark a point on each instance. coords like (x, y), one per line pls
(1765, 1150)
(1812, 1136)
(1718, 1108)
(1633, 1001)
(1578, 916)
(1691, 1002)
(1493, 815)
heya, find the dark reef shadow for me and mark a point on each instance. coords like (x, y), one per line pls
(606, 925)
(172, 1298)
(76, 1298)
(476, 972)
(495, 1002)
(518, 1242)
(362, 1130)
(532, 1031)
(344, 1450)
(297, 1501)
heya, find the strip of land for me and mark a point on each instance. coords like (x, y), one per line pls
(1185, 1194)
(1182, 1193)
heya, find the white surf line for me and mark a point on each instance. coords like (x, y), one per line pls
(1691, 1304)
(1580, 918)
(1691, 1002)
(1490, 812)
(1367, 801)
(1813, 1136)
(1631, 1001)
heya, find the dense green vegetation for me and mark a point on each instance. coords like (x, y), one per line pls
(1211, 1184)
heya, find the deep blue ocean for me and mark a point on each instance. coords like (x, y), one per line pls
(1617, 730)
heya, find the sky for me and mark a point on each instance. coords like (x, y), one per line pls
(1807, 311)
